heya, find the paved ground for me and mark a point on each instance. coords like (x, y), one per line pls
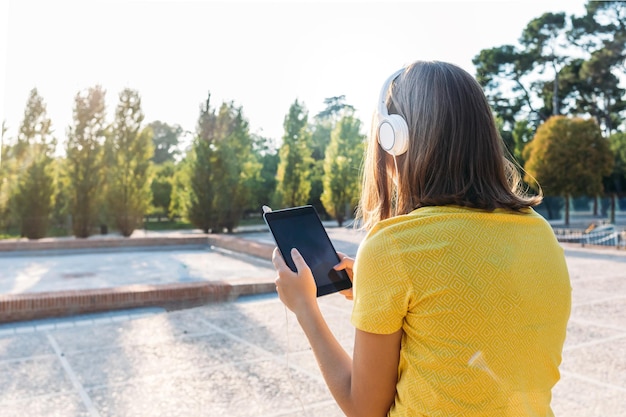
(249, 358)
(32, 273)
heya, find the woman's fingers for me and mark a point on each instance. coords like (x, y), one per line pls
(296, 290)
(298, 260)
(347, 293)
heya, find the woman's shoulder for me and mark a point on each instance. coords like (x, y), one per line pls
(396, 228)
(421, 216)
(433, 219)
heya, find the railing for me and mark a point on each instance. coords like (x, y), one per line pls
(604, 237)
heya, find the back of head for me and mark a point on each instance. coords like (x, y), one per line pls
(454, 156)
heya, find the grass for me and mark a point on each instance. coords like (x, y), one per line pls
(167, 225)
(251, 222)
(53, 231)
(149, 224)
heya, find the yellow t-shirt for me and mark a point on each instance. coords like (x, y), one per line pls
(483, 300)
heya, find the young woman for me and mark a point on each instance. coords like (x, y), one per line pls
(461, 291)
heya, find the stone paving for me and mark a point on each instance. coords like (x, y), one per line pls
(249, 357)
(32, 273)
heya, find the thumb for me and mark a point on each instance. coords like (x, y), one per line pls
(341, 265)
(277, 260)
(345, 263)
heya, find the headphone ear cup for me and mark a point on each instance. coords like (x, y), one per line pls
(393, 134)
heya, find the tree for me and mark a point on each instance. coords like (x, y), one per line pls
(161, 188)
(502, 71)
(515, 77)
(6, 183)
(293, 176)
(342, 168)
(181, 184)
(617, 143)
(522, 135)
(3, 132)
(602, 26)
(34, 151)
(60, 216)
(34, 199)
(594, 82)
(568, 157)
(562, 65)
(616, 183)
(323, 124)
(236, 168)
(165, 140)
(544, 40)
(85, 162)
(222, 169)
(267, 156)
(201, 162)
(128, 194)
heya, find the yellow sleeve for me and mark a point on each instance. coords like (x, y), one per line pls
(381, 286)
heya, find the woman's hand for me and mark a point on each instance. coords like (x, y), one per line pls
(346, 263)
(296, 290)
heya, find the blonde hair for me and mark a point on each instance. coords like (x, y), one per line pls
(455, 154)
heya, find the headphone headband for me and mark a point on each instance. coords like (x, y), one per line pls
(382, 105)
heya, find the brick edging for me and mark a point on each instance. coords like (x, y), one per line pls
(21, 307)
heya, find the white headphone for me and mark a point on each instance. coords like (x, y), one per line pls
(393, 132)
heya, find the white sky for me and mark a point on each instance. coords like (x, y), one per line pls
(261, 55)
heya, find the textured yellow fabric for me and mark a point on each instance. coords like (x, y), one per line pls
(483, 300)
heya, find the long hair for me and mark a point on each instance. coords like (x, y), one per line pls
(455, 154)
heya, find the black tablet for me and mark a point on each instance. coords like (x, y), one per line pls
(301, 228)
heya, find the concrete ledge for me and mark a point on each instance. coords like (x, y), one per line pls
(91, 243)
(236, 244)
(31, 306)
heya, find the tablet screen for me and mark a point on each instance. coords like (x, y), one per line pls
(301, 228)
